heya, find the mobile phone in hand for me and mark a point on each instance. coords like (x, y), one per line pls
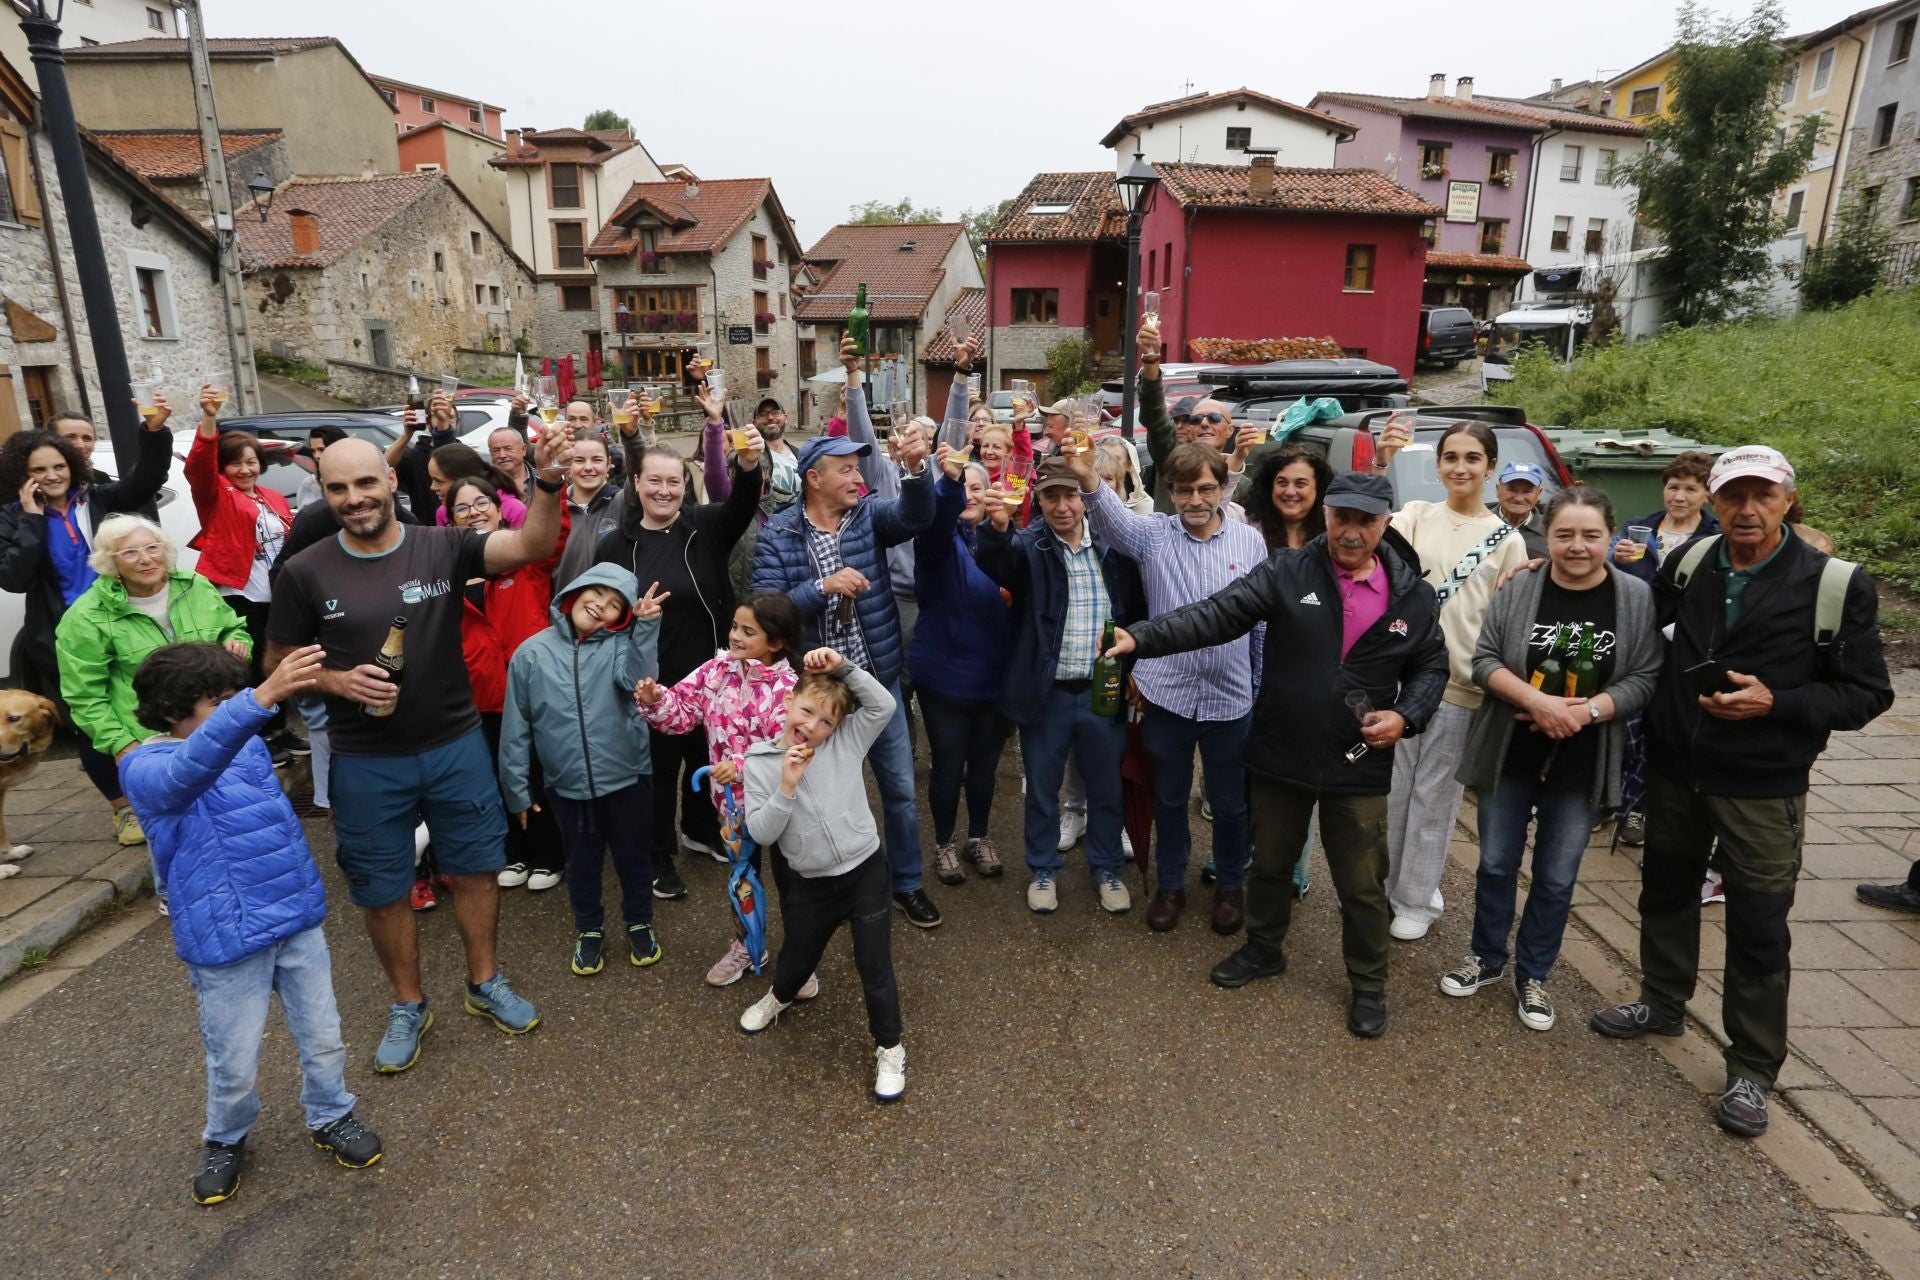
(1708, 678)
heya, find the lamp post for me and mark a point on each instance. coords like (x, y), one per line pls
(1135, 186)
(40, 22)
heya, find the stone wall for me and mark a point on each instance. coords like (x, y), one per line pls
(392, 280)
(28, 279)
(269, 158)
(489, 367)
(366, 384)
(555, 332)
(1887, 168)
(1022, 347)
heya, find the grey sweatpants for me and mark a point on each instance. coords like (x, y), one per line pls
(1421, 810)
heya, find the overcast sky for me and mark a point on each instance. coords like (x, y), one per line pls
(840, 104)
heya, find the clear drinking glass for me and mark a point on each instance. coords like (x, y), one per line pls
(1150, 306)
(717, 382)
(218, 379)
(546, 397)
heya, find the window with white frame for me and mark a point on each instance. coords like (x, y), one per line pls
(1790, 82)
(1823, 71)
(1570, 163)
(1596, 235)
(1796, 205)
(1562, 234)
(156, 20)
(150, 277)
(1605, 161)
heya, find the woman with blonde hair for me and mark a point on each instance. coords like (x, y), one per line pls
(140, 601)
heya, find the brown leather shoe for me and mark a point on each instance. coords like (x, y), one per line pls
(1229, 910)
(1163, 913)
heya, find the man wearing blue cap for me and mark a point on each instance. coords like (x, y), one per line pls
(827, 552)
(1519, 487)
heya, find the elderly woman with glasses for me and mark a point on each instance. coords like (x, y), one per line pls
(139, 601)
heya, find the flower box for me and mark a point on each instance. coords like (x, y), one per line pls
(1433, 172)
(1503, 178)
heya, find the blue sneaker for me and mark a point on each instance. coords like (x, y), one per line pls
(496, 1000)
(400, 1047)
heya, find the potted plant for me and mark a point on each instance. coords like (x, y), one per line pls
(649, 260)
(1432, 171)
(1501, 178)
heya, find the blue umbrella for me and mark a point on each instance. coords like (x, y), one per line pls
(748, 900)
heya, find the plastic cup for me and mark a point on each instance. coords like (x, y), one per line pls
(1641, 536)
(737, 440)
(449, 385)
(717, 382)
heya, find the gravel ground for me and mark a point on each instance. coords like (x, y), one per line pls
(1081, 1103)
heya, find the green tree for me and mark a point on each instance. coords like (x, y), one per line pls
(607, 118)
(979, 222)
(1070, 368)
(880, 213)
(1706, 184)
(1848, 265)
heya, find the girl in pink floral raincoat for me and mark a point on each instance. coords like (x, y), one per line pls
(740, 697)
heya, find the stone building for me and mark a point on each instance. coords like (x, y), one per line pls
(701, 261)
(397, 271)
(466, 158)
(1884, 169)
(160, 260)
(172, 160)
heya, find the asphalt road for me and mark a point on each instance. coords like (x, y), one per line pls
(1080, 1103)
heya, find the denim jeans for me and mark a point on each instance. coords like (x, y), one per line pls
(1560, 838)
(1170, 740)
(1066, 723)
(891, 759)
(233, 1017)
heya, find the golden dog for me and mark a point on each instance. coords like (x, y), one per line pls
(27, 722)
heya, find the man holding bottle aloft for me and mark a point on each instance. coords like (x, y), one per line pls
(413, 748)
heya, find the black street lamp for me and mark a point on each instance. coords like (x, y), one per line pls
(40, 22)
(1136, 185)
(262, 191)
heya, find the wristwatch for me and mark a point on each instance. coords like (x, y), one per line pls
(1593, 712)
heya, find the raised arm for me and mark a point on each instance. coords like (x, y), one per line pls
(1135, 536)
(873, 706)
(877, 470)
(509, 549)
(150, 468)
(170, 781)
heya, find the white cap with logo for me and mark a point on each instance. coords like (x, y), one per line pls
(1750, 460)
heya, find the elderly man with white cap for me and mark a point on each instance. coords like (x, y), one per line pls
(1774, 646)
(1518, 489)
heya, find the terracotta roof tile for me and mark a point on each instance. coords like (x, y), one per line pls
(1224, 186)
(164, 155)
(900, 282)
(1493, 113)
(702, 222)
(970, 307)
(603, 145)
(1496, 263)
(1093, 210)
(349, 210)
(1207, 101)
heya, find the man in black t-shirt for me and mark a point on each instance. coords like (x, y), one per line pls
(411, 748)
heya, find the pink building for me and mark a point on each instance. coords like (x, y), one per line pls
(415, 105)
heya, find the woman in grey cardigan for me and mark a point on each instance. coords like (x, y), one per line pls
(1545, 753)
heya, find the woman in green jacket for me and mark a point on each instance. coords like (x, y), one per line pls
(139, 602)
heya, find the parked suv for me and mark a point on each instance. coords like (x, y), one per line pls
(1348, 443)
(1447, 336)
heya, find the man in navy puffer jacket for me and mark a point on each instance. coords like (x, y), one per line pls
(245, 898)
(827, 552)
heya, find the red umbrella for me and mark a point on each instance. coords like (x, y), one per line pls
(1136, 797)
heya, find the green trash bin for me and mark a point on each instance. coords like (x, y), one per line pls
(1626, 465)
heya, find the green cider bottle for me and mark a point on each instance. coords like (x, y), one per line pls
(859, 321)
(1583, 673)
(1106, 677)
(1552, 671)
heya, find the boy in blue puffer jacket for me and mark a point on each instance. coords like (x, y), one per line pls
(246, 900)
(570, 693)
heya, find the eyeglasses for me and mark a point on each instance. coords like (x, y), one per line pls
(1180, 491)
(477, 504)
(152, 551)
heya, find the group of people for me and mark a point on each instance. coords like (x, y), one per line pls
(531, 662)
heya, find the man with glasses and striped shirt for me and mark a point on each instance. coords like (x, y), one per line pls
(1202, 698)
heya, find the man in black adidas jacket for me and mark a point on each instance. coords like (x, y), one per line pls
(1332, 632)
(1731, 765)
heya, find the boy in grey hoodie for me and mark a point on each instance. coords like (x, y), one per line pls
(808, 792)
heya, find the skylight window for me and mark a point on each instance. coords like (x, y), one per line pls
(1042, 207)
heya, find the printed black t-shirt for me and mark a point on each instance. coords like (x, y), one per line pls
(346, 601)
(1568, 610)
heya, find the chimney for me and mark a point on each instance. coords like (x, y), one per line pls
(513, 142)
(1260, 178)
(692, 190)
(306, 231)
(1463, 89)
(1556, 85)
(1437, 86)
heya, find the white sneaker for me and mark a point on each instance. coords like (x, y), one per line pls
(512, 876)
(729, 968)
(890, 1073)
(539, 880)
(1126, 845)
(688, 845)
(808, 989)
(1533, 1006)
(1041, 897)
(1407, 929)
(1114, 898)
(762, 1014)
(1072, 827)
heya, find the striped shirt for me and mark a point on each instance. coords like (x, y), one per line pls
(1176, 568)
(1089, 609)
(840, 622)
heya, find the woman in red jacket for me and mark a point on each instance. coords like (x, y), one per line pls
(242, 524)
(501, 614)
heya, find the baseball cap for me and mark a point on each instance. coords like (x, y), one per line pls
(766, 405)
(829, 447)
(1063, 407)
(1359, 491)
(1054, 473)
(1750, 460)
(1184, 406)
(1527, 471)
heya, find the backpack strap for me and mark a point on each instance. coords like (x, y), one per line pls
(1831, 603)
(1690, 561)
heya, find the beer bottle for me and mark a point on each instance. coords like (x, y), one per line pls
(859, 322)
(1553, 668)
(1106, 676)
(414, 399)
(1583, 674)
(392, 658)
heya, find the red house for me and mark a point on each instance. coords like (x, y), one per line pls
(1235, 251)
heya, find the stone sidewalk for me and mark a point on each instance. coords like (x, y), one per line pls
(1854, 1073)
(77, 868)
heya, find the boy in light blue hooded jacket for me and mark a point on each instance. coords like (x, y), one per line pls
(570, 696)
